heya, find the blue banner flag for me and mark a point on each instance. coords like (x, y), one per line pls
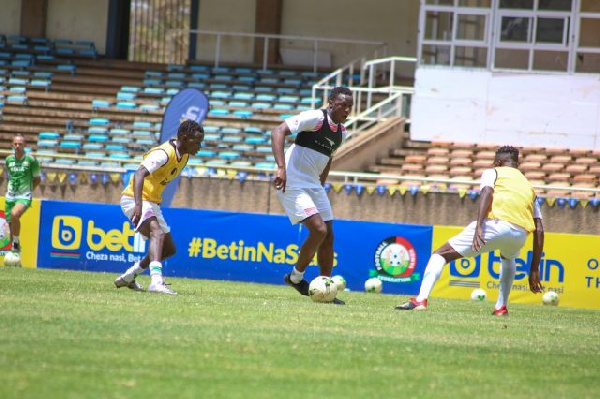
(187, 104)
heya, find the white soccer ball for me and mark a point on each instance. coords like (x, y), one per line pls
(12, 259)
(550, 298)
(340, 282)
(322, 289)
(373, 285)
(478, 294)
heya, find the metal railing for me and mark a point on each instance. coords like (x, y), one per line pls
(379, 48)
(377, 76)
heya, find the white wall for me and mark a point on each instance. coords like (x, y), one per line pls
(78, 20)
(10, 17)
(226, 16)
(547, 110)
(394, 22)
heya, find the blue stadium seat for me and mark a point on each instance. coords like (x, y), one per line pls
(231, 130)
(98, 138)
(99, 121)
(211, 129)
(142, 124)
(70, 144)
(265, 165)
(48, 135)
(218, 112)
(100, 104)
(204, 153)
(126, 105)
(229, 155)
(97, 130)
(243, 113)
(243, 96)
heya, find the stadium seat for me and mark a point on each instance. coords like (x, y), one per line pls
(70, 144)
(126, 105)
(242, 113)
(48, 135)
(99, 121)
(218, 112)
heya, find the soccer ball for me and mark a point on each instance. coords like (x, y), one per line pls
(478, 294)
(373, 285)
(322, 289)
(340, 282)
(550, 298)
(12, 259)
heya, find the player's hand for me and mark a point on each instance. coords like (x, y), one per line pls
(280, 178)
(136, 215)
(535, 285)
(478, 240)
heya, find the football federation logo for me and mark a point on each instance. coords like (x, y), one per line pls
(396, 260)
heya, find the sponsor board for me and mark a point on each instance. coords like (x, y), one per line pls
(28, 236)
(569, 266)
(232, 246)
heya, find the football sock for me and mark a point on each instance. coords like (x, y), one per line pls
(433, 271)
(156, 272)
(507, 276)
(296, 276)
(16, 239)
(132, 272)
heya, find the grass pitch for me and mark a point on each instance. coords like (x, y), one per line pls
(66, 334)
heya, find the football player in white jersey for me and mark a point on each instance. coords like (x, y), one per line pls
(301, 173)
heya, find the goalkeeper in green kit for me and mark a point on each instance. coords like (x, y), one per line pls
(23, 177)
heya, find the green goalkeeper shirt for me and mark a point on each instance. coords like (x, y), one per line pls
(21, 173)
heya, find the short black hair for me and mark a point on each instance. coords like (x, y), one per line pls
(188, 128)
(511, 151)
(336, 91)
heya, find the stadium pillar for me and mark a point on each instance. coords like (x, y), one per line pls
(33, 18)
(117, 30)
(268, 20)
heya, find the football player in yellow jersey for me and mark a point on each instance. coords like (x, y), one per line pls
(508, 212)
(141, 203)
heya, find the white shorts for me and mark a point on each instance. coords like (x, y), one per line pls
(498, 234)
(302, 203)
(149, 209)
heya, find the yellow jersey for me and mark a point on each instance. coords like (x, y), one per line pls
(155, 183)
(513, 198)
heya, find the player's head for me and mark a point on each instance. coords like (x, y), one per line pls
(507, 156)
(19, 144)
(190, 136)
(340, 104)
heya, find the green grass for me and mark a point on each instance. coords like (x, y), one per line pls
(67, 334)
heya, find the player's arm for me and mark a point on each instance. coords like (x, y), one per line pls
(36, 172)
(486, 197)
(277, 146)
(138, 187)
(538, 247)
(325, 173)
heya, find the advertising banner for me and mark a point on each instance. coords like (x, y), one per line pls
(232, 246)
(28, 236)
(569, 266)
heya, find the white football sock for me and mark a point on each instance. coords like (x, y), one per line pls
(507, 276)
(296, 276)
(433, 271)
(156, 273)
(132, 272)
(16, 239)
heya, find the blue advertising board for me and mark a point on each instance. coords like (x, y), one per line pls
(232, 246)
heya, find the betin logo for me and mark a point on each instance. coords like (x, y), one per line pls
(66, 232)
(396, 260)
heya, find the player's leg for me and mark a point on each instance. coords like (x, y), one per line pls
(325, 252)
(457, 247)
(18, 209)
(511, 240)
(300, 208)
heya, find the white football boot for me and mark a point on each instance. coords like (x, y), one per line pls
(134, 285)
(161, 288)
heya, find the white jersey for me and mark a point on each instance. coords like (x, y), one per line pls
(304, 165)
